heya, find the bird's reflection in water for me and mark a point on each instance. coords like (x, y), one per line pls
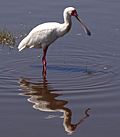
(44, 99)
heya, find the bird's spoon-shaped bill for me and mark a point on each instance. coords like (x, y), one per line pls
(83, 26)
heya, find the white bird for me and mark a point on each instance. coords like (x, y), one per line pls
(44, 34)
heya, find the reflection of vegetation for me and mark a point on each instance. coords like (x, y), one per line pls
(7, 38)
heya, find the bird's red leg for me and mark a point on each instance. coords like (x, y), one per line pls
(44, 56)
(44, 62)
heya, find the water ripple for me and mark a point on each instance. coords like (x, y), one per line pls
(95, 72)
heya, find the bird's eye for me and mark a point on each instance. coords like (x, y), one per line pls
(74, 13)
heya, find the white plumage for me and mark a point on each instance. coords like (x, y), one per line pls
(43, 35)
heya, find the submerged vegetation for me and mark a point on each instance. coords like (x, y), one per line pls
(7, 38)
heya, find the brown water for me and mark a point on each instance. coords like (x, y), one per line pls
(81, 92)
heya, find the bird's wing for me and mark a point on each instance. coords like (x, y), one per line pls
(42, 36)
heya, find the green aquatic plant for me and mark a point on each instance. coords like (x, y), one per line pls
(7, 38)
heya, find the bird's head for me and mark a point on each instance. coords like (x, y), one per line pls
(73, 12)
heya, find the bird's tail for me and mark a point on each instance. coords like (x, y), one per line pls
(23, 44)
(20, 49)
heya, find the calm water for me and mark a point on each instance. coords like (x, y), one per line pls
(83, 72)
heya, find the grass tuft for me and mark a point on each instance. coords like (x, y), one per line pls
(7, 38)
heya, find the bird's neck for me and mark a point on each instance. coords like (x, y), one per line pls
(67, 21)
(67, 18)
(66, 25)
